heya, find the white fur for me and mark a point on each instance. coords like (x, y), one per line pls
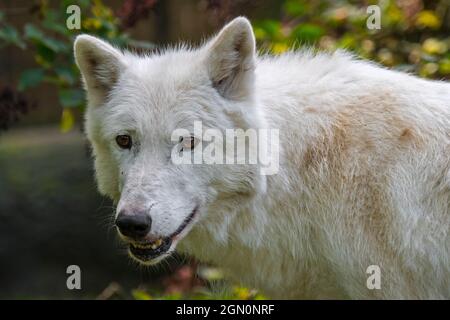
(364, 166)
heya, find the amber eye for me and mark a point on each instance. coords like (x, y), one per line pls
(187, 143)
(124, 141)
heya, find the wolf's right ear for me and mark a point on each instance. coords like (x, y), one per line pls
(231, 59)
(100, 65)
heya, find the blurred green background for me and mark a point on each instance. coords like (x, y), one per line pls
(50, 213)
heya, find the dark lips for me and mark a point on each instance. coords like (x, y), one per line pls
(147, 254)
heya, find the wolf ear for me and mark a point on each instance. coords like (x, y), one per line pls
(100, 65)
(231, 59)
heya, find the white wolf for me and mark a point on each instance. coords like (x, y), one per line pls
(364, 175)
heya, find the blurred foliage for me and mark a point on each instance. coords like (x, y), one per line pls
(414, 34)
(51, 43)
(233, 293)
(187, 282)
(115, 291)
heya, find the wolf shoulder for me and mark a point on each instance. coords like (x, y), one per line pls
(298, 84)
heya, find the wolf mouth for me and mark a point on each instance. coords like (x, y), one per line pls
(147, 251)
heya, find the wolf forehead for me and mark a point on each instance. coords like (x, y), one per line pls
(179, 68)
(161, 81)
(171, 89)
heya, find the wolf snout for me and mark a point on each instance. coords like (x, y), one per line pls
(135, 225)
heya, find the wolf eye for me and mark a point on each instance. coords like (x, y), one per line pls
(187, 143)
(124, 141)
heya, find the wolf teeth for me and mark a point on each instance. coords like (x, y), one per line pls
(153, 245)
(140, 246)
(156, 244)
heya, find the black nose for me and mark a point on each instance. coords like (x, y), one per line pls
(133, 225)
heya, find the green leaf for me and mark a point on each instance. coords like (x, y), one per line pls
(30, 78)
(57, 27)
(270, 27)
(11, 36)
(67, 120)
(33, 33)
(39, 38)
(444, 66)
(141, 295)
(44, 56)
(55, 21)
(56, 45)
(173, 296)
(294, 8)
(71, 98)
(307, 33)
(66, 75)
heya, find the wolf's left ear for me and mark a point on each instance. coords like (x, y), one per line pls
(231, 59)
(100, 65)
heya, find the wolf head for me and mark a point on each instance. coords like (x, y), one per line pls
(135, 103)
